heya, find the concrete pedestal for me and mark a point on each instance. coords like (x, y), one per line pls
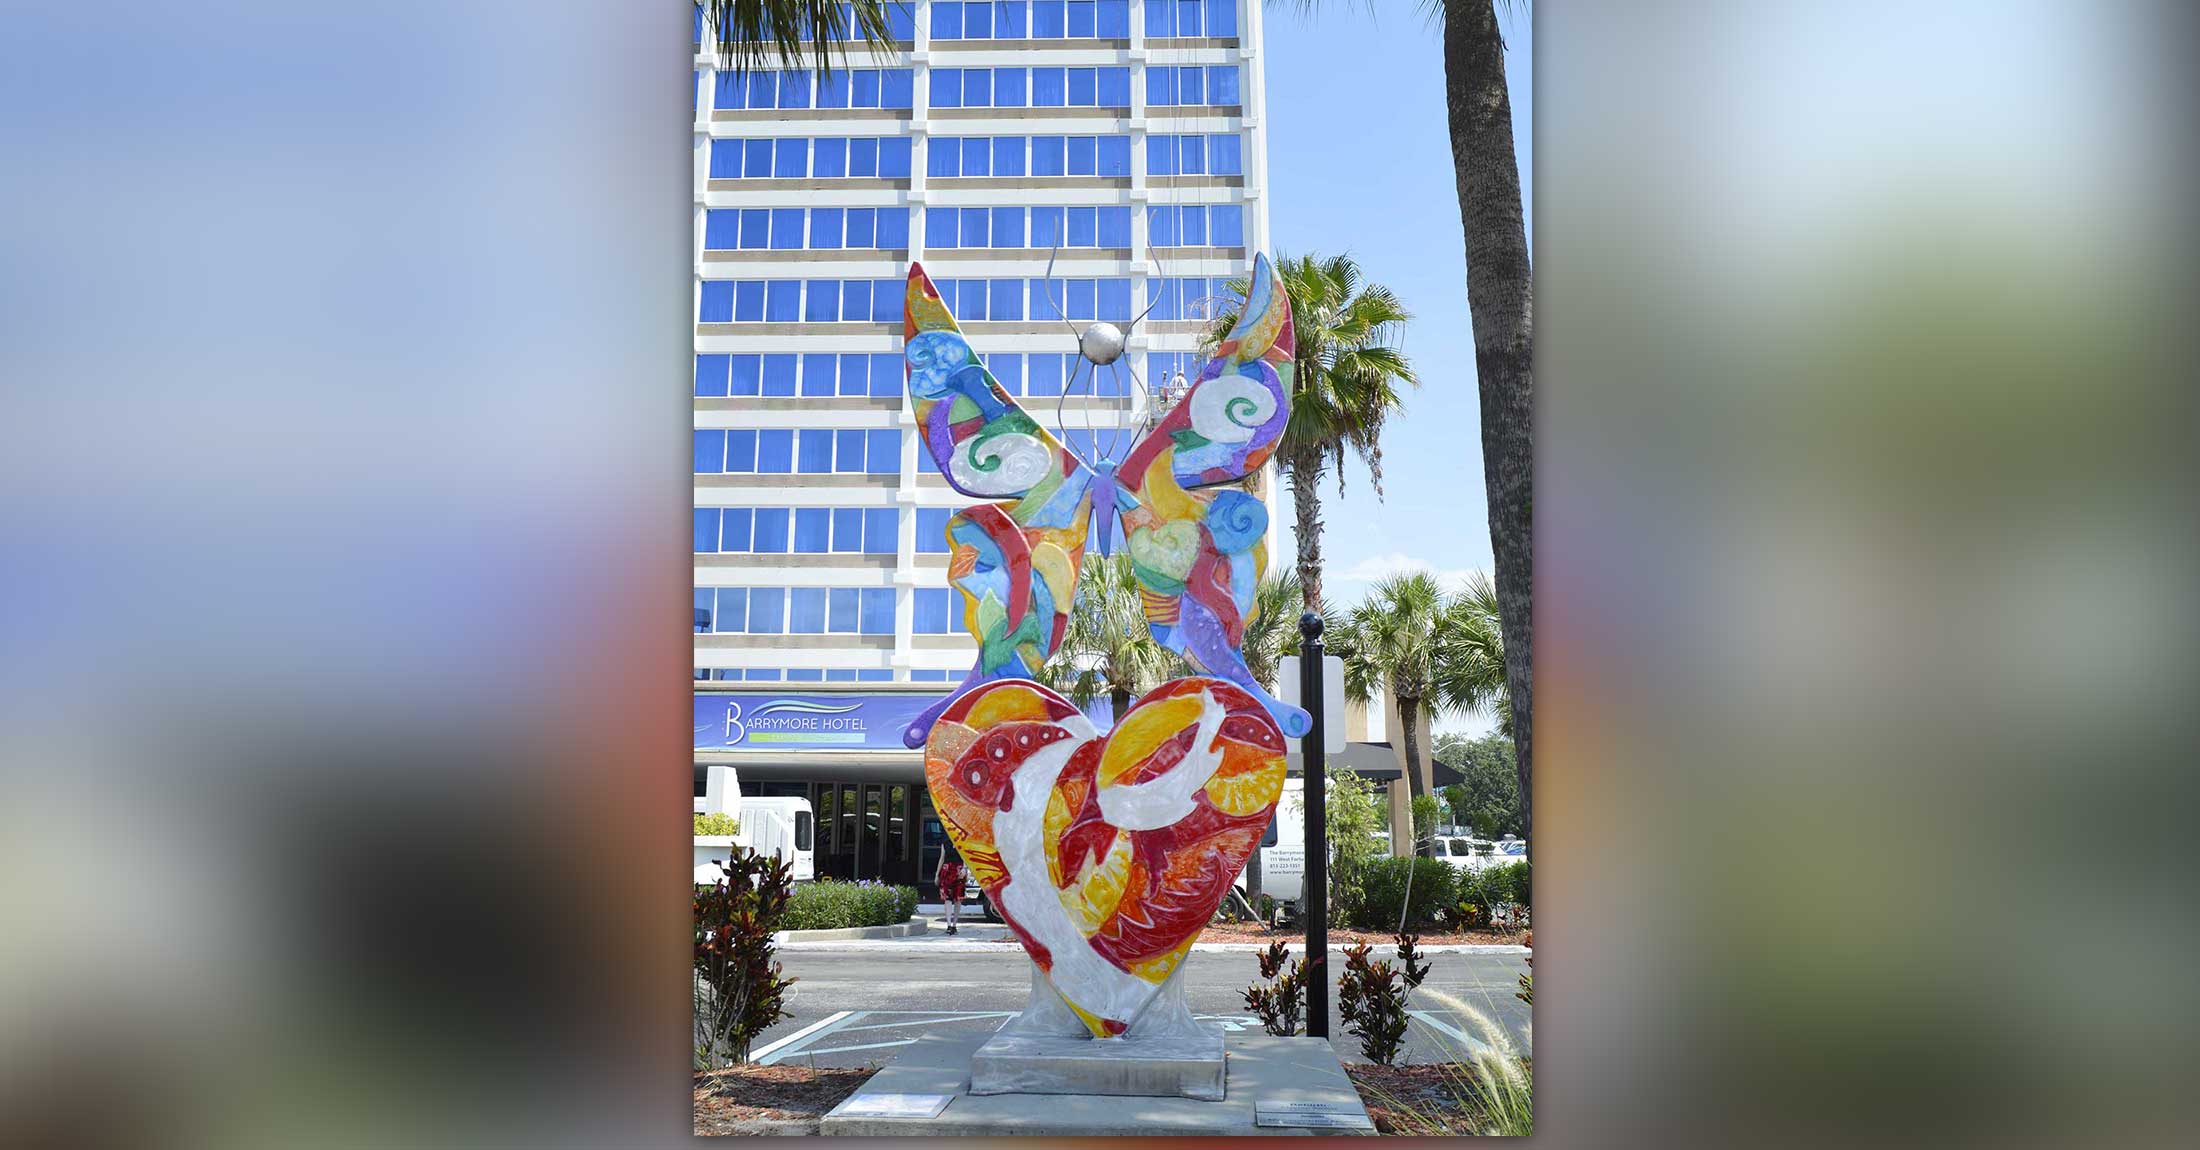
(1259, 1069)
(1189, 1066)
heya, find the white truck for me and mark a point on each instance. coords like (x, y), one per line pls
(1283, 861)
(773, 825)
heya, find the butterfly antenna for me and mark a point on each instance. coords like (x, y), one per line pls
(1051, 301)
(1155, 301)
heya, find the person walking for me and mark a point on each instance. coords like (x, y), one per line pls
(950, 878)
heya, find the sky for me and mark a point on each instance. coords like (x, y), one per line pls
(1359, 161)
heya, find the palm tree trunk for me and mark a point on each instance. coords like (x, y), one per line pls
(1119, 701)
(1501, 298)
(1409, 714)
(1306, 472)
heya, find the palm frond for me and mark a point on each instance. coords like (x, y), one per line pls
(794, 35)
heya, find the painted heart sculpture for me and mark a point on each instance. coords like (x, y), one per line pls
(1106, 854)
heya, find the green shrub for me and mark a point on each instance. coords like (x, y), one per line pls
(739, 990)
(1383, 892)
(719, 824)
(831, 905)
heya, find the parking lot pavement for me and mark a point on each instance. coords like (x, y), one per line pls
(861, 1008)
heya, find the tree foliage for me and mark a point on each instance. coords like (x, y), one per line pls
(1489, 798)
(793, 35)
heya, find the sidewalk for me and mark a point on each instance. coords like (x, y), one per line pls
(978, 936)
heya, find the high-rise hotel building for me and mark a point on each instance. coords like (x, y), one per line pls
(1125, 133)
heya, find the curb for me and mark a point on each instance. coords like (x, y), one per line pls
(973, 946)
(851, 933)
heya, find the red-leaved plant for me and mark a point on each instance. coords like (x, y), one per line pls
(738, 988)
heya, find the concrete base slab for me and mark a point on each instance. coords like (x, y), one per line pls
(1258, 1069)
(1174, 1067)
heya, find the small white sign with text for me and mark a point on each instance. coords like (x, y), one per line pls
(1323, 1115)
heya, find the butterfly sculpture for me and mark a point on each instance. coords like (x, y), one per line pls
(1197, 543)
(1106, 853)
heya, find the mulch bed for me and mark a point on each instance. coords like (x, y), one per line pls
(1416, 1100)
(771, 1099)
(1238, 932)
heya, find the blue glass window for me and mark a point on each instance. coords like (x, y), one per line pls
(932, 530)
(779, 374)
(977, 21)
(1084, 155)
(710, 452)
(1115, 227)
(715, 303)
(840, 610)
(732, 91)
(741, 451)
(1084, 227)
(771, 531)
(774, 451)
(823, 304)
(877, 611)
(806, 611)
(1007, 368)
(794, 89)
(710, 375)
(745, 378)
(833, 91)
(827, 227)
(1008, 156)
(756, 158)
(863, 157)
(734, 535)
(782, 300)
(725, 159)
(817, 374)
(786, 229)
(1043, 373)
(943, 157)
(932, 611)
(1083, 87)
(1048, 88)
(853, 370)
(1115, 88)
(1080, 19)
(1187, 17)
(1160, 85)
(897, 88)
(763, 675)
(886, 373)
(1161, 225)
(1222, 84)
(763, 90)
(976, 227)
(1048, 156)
(791, 158)
(1226, 225)
(1009, 87)
(733, 610)
(1160, 18)
(1225, 155)
(881, 530)
(977, 156)
(901, 22)
(939, 227)
(865, 93)
(855, 300)
(1011, 21)
(1047, 20)
(1115, 300)
(813, 530)
(767, 610)
(848, 451)
(893, 158)
(1008, 230)
(1115, 155)
(1112, 19)
(946, 88)
(946, 20)
(814, 451)
(847, 529)
(829, 157)
(883, 452)
(886, 302)
(1046, 227)
(1007, 298)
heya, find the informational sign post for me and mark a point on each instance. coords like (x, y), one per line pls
(1287, 689)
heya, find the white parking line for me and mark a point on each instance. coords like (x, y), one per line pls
(770, 1054)
(1474, 1045)
(929, 1021)
(865, 1046)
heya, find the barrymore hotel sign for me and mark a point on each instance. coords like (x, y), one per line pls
(772, 721)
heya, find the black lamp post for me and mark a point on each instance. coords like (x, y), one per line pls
(1314, 760)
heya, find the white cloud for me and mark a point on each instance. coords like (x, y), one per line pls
(1376, 568)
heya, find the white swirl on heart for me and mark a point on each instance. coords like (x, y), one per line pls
(1159, 802)
(1229, 408)
(1029, 897)
(1007, 464)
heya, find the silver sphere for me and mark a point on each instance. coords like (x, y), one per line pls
(1102, 343)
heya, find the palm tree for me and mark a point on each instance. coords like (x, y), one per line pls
(1432, 651)
(1470, 663)
(1346, 369)
(1501, 300)
(1107, 649)
(793, 34)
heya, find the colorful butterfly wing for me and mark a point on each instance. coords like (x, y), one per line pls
(1014, 562)
(1199, 554)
